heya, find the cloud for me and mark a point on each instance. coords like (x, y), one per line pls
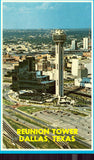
(29, 9)
(25, 10)
(17, 9)
(45, 6)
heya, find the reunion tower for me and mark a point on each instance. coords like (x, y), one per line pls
(59, 38)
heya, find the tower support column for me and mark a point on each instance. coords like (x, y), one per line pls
(59, 39)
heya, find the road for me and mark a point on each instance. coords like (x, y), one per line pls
(15, 137)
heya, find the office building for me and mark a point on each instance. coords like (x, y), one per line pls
(74, 44)
(85, 43)
(24, 76)
(75, 65)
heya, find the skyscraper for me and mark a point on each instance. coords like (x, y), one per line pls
(75, 66)
(85, 43)
(59, 38)
(74, 44)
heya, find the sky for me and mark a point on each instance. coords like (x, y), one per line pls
(46, 15)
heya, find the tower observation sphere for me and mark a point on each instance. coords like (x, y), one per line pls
(59, 37)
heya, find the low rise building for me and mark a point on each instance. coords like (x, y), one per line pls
(83, 82)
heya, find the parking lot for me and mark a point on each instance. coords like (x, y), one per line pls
(62, 119)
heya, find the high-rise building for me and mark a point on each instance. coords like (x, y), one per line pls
(85, 43)
(24, 76)
(74, 44)
(59, 38)
(75, 65)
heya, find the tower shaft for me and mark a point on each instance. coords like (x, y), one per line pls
(59, 69)
(59, 38)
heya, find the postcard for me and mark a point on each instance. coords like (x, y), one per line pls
(46, 76)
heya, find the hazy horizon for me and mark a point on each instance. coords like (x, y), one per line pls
(47, 29)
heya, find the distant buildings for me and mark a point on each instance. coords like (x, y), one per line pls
(87, 54)
(74, 44)
(85, 43)
(82, 71)
(42, 64)
(52, 74)
(7, 58)
(75, 65)
(79, 68)
(45, 62)
(88, 65)
(84, 82)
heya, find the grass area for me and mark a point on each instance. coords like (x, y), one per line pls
(82, 103)
(88, 109)
(7, 142)
(18, 115)
(80, 97)
(79, 137)
(6, 102)
(8, 110)
(13, 124)
(48, 104)
(44, 145)
(48, 145)
(30, 109)
(76, 145)
(68, 81)
(76, 112)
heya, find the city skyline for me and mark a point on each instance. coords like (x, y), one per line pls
(46, 15)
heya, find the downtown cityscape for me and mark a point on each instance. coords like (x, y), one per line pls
(47, 87)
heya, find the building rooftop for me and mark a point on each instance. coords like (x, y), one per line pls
(45, 82)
